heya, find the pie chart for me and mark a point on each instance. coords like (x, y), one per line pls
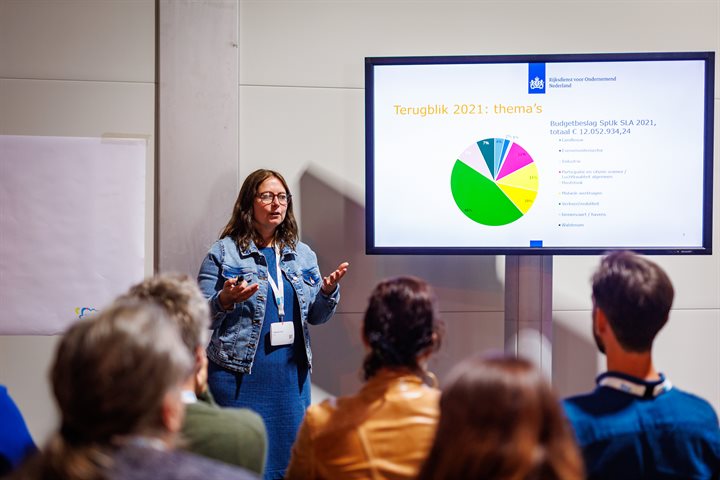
(494, 182)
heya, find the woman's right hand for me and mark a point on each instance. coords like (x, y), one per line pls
(236, 292)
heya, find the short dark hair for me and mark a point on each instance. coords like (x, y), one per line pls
(635, 295)
(401, 324)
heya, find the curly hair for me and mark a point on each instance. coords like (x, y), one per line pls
(401, 324)
(180, 296)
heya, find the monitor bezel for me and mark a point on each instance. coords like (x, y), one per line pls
(708, 57)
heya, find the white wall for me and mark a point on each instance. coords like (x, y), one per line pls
(72, 68)
(76, 67)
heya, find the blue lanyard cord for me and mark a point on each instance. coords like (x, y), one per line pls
(279, 287)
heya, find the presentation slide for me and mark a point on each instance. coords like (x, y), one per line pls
(600, 154)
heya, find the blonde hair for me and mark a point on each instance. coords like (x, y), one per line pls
(179, 295)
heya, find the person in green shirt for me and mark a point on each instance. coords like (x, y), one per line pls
(232, 435)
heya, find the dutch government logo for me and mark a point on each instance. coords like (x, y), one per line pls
(536, 78)
(537, 84)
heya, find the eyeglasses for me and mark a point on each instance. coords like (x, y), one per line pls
(266, 198)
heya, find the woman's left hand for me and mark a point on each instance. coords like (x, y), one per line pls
(330, 282)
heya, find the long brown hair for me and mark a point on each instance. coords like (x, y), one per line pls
(401, 324)
(240, 227)
(500, 420)
(110, 378)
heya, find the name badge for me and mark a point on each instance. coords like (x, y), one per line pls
(282, 333)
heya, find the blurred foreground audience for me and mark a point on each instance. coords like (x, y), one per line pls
(385, 430)
(118, 380)
(499, 419)
(231, 435)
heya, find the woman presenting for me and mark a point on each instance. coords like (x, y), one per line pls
(264, 288)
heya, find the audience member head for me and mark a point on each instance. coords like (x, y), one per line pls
(500, 420)
(401, 326)
(635, 295)
(241, 226)
(180, 297)
(115, 377)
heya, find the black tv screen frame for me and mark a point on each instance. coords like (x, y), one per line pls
(401, 123)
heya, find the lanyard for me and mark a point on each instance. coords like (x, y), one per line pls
(278, 288)
(642, 390)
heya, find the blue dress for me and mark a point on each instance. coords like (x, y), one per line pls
(278, 387)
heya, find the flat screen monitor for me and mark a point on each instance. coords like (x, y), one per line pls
(539, 154)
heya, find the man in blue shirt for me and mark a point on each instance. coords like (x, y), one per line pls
(636, 425)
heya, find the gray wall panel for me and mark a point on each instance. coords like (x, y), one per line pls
(198, 125)
(323, 43)
(101, 40)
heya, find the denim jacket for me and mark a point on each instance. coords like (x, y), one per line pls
(236, 332)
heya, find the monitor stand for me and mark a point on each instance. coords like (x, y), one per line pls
(528, 309)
